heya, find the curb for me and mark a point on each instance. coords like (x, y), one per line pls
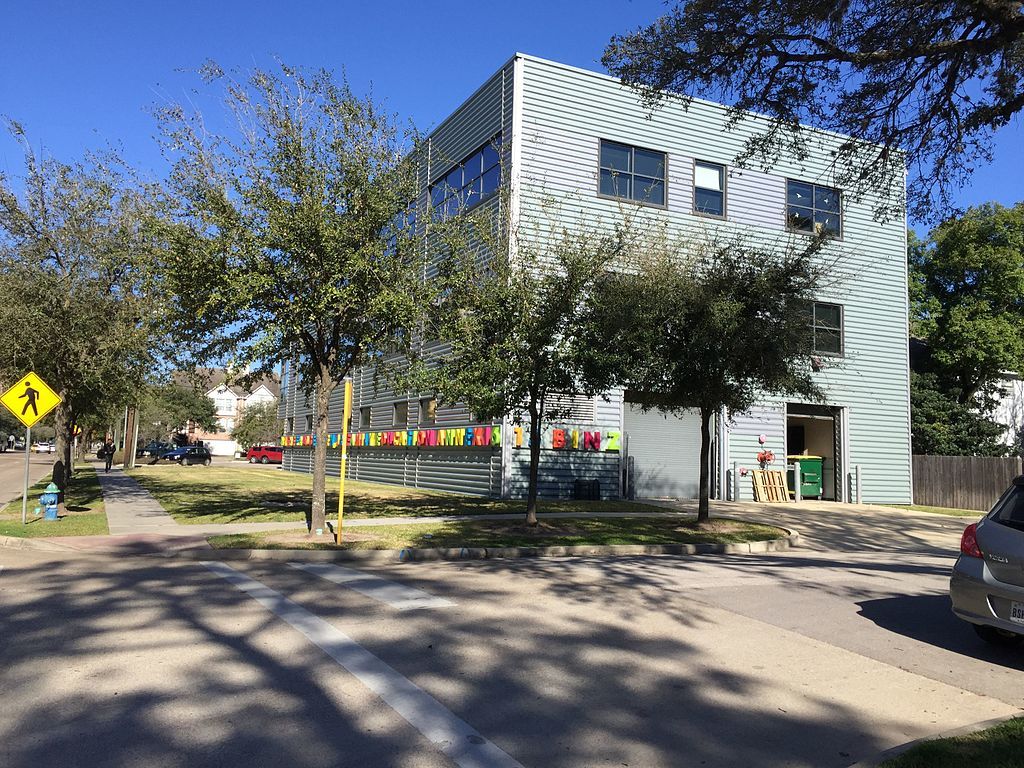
(964, 730)
(488, 553)
(38, 544)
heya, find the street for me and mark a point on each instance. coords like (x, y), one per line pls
(12, 472)
(802, 658)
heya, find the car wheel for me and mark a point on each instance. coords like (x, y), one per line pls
(264, 460)
(252, 459)
(207, 461)
(997, 636)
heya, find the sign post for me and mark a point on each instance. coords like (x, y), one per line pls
(39, 400)
(345, 415)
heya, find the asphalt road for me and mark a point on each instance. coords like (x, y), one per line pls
(791, 659)
(12, 472)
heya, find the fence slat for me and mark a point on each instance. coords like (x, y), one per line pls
(962, 482)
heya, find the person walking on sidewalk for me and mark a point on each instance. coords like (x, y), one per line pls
(108, 453)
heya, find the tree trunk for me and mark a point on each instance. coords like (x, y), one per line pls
(62, 423)
(531, 494)
(703, 512)
(318, 515)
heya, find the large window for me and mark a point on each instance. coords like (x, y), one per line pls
(469, 183)
(632, 173)
(709, 188)
(813, 208)
(827, 325)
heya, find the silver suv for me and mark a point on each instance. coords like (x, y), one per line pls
(987, 584)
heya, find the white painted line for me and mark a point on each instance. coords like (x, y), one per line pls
(459, 741)
(396, 595)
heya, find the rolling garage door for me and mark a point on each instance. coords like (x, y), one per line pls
(664, 452)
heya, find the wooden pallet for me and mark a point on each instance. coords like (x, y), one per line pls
(770, 485)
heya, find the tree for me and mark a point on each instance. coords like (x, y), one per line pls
(931, 79)
(943, 426)
(259, 424)
(967, 298)
(75, 299)
(513, 324)
(290, 237)
(168, 408)
(708, 326)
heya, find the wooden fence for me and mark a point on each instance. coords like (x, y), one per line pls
(962, 482)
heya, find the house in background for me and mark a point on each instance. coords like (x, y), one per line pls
(231, 401)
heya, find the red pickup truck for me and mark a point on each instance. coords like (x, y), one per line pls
(265, 454)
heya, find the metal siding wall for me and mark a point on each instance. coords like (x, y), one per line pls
(559, 470)
(567, 111)
(664, 452)
(744, 429)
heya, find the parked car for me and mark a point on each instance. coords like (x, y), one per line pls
(43, 447)
(987, 584)
(19, 444)
(265, 454)
(154, 448)
(187, 454)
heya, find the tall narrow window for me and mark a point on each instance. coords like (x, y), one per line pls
(400, 414)
(428, 410)
(309, 423)
(709, 188)
(827, 326)
(364, 417)
(813, 208)
(632, 173)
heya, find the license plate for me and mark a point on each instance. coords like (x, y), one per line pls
(1017, 612)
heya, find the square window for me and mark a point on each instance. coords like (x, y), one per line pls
(649, 190)
(813, 208)
(615, 184)
(648, 163)
(616, 157)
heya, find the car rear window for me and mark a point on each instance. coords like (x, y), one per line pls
(1009, 510)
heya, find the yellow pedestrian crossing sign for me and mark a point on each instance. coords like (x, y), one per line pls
(30, 399)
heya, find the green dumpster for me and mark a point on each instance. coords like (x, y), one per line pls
(810, 472)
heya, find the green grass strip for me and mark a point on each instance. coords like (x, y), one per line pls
(84, 514)
(1001, 746)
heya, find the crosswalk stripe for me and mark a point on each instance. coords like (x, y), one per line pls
(454, 737)
(396, 595)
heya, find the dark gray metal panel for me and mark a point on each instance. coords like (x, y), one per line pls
(559, 471)
(664, 452)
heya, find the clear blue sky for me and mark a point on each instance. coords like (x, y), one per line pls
(82, 75)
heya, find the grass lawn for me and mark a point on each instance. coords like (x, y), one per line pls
(83, 511)
(245, 494)
(939, 510)
(999, 747)
(512, 533)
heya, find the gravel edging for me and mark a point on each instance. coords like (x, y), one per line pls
(489, 553)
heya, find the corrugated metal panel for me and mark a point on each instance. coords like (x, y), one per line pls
(559, 471)
(664, 453)
(565, 114)
(744, 430)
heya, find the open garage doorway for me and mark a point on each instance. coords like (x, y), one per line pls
(817, 430)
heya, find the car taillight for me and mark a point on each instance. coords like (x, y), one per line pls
(969, 541)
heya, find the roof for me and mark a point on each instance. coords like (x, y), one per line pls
(210, 379)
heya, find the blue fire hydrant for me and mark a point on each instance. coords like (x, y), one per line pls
(48, 501)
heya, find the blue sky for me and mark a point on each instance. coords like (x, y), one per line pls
(82, 75)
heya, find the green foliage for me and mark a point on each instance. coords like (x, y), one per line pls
(929, 80)
(513, 325)
(259, 424)
(709, 326)
(168, 408)
(943, 426)
(288, 237)
(75, 299)
(968, 300)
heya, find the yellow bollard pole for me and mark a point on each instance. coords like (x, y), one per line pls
(346, 414)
